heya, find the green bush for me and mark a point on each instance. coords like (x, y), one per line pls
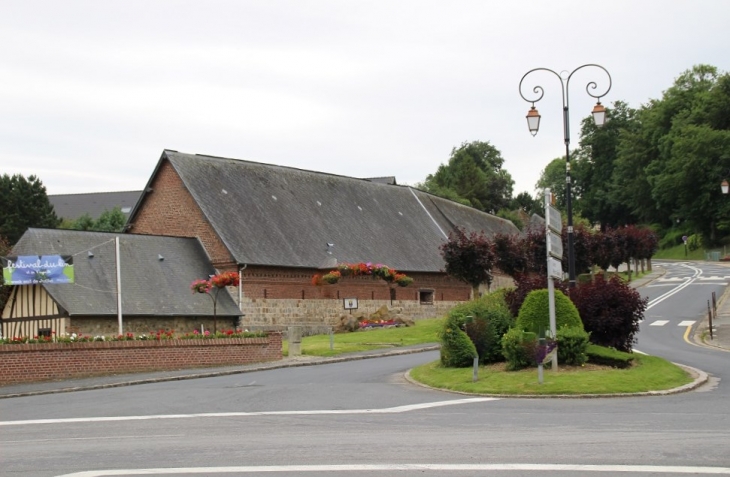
(534, 313)
(671, 239)
(518, 348)
(608, 357)
(694, 242)
(572, 346)
(490, 320)
(457, 349)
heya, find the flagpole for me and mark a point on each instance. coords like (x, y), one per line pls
(119, 286)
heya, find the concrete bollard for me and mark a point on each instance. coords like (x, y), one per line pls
(295, 340)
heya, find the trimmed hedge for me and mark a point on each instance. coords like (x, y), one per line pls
(609, 357)
(534, 313)
(572, 346)
(457, 349)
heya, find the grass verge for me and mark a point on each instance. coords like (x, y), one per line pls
(649, 373)
(678, 252)
(425, 331)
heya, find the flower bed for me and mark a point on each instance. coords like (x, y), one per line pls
(367, 324)
(151, 336)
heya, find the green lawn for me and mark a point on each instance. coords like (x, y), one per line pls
(425, 331)
(648, 374)
(678, 253)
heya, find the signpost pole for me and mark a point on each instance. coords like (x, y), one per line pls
(553, 226)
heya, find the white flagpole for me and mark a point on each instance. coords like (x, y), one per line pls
(119, 286)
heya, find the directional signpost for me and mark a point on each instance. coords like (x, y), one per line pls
(553, 227)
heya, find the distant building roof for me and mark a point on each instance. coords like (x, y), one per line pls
(73, 206)
(156, 273)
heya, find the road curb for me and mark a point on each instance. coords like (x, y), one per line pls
(700, 378)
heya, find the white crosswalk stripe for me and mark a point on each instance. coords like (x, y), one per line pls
(664, 322)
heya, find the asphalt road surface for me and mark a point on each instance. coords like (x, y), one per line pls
(363, 418)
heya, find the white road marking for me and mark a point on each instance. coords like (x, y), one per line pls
(387, 410)
(97, 438)
(659, 323)
(686, 323)
(661, 298)
(656, 469)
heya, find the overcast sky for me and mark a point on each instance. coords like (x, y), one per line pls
(91, 92)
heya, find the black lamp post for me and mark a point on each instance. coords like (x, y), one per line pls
(533, 123)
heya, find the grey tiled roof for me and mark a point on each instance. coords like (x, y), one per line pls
(150, 286)
(73, 206)
(281, 216)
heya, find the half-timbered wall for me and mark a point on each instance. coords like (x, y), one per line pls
(30, 311)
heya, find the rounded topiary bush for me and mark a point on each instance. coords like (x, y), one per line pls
(485, 321)
(534, 313)
(518, 348)
(457, 349)
(572, 345)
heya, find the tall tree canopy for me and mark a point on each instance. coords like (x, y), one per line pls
(594, 165)
(473, 176)
(25, 204)
(671, 164)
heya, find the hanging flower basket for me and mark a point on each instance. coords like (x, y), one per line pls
(362, 269)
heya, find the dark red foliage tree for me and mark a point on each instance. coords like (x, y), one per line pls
(583, 239)
(610, 310)
(510, 255)
(620, 252)
(603, 250)
(469, 258)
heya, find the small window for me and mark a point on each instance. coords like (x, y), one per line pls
(44, 332)
(425, 297)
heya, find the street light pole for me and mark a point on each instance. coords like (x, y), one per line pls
(533, 123)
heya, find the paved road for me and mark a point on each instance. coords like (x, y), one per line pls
(362, 417)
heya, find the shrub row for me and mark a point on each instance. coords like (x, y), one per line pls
(602, 312)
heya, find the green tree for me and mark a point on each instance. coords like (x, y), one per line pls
(85, 222)
(553, 178)
(4, 291)
(594, 166)
(112, 220)
(670, 163)
(528, 204)
(474, 173)
(25, 204)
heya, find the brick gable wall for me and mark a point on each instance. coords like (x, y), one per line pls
(170, 210)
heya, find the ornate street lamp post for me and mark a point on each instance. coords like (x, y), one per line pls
(533, 123)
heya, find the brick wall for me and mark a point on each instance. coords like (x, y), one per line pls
(49, 361)
(170, 210)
